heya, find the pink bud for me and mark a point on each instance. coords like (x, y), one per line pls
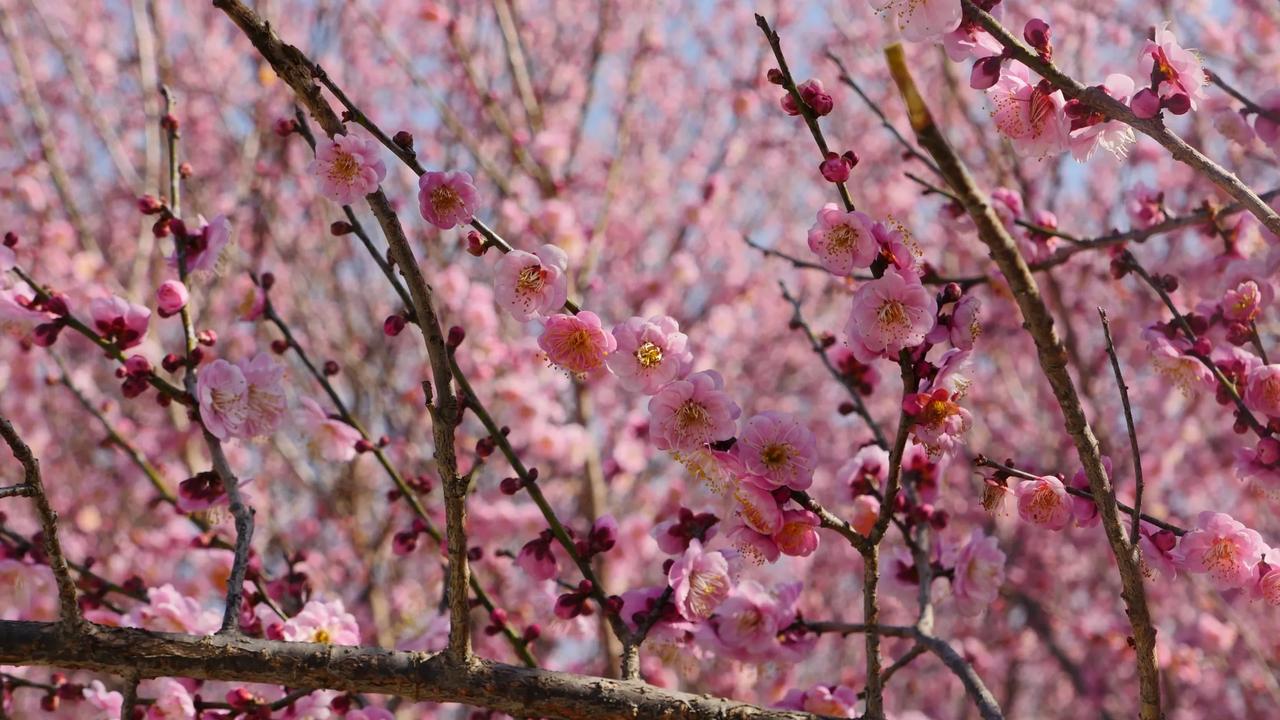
(789, 106)
(986, 72)
(1145, 103)
(1268, 451)
(171, 297)
(816, 97)
(137, 365)
(1036, 33)
(1178, 103)
(835, 168)
(393, 325)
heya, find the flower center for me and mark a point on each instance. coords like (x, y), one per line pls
(936, 412)
(530, 280)
(224, 401)
(892, 314)
(1043, 503)
(841, 238)
(692, 415)
(1221, 557)
(649, 355)
(776, 455)
(321, 636)
(446, 200)
(345, 167)
(705, 588)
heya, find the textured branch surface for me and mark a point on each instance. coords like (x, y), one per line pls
(519, 691)
(1053, 363)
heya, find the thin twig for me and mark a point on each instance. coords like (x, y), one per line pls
(1133, 434)
(1252, 106)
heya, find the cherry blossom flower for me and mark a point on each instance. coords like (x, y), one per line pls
(842, 240)
(650, 354)
(673, 536)
(327, 623)
(119, 321)
(170, 700)
(838, 701)
(979, 572)
(528, 285)
(778, 449)
(1179, 70)
(757, 506)
(347, 168)
(171, 297)
(1170, 361)
(168, 610)
(1262, 390)
(1084, 510)
(1221, 547)
(1090, 130)
(895, 246)
(576, 343)
(1260, 465)
(889, 314)
(329, 437)
(244, 400)
(203, 247)
(1243, 302)
(701, 581)
(920, 20)
(866, 470)
(687, 414)
(963, 327)
(447, 199)
(757, 547)
(1045, 502)
(369, 712)
(1029, 113)
(937, 418)
(748, 621)
(798, 535)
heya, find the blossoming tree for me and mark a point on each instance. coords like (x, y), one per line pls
(553, 358)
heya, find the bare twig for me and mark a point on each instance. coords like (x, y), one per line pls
(1250, 105)
(1133, 434)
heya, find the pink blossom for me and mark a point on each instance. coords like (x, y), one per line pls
(842, 240)
(529, 285)
(755, 546)
(866, 470)
(687, 414)
(202, 247)
(99, 703)
(798, 535)
(1262, 390)
(244, 400)
(779, 449)
(347, 168)
(1221, 547)
(327, 623)
(171, 297)
(1158, 546)
(920, 20)
(331, 438)
(171, 701)
(1145, 206)
(1044, 502)
(838, 701)
(1090, 130)
(650, 354)
(369, 712)
(969, 40)
(537, 559)
(938, 421)
(701, 582)
(16, 317)
(1269, 130)
(889, 314)
(1269, 578)
(1084, 510)
(747, 623)
(1028, 113)
(866, 511)
(1243, 302)
(895, 246)
(1234, 125)
(168, 610)
(966, 322)
(1170, 361)
(119, 321)
(1179, 70)
(979, 572)
(576, 343)
(757, 506)
(1261, 465)
(447, 199)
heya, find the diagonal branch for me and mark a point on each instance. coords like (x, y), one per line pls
(1133, 434)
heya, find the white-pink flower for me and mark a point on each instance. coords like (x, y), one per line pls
(333, 439)
(99, 703)
(1221, 547)
(347, 168)
(203, 246)
(244, 400)
(576, 343)
(842, 240)
(920, 20)
(1028, 113)
(1045, 502)
(700, 580)
(1090, 130)
(119, 320)
(168, 610)
(1269, 130)
(687, 414)
(979, 572)
(171, 297)
(447, 199)
(1179, 69)
(171, 700)
(779, 449)
(889, 314)
(650, 353)
(529, 284)
(327, 623)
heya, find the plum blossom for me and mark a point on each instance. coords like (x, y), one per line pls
(979, 572)
(537, 559)
(650, 353)
(834, 701)
(1090, 130)
(866, 510)
(322, 622)
(171, 297)
(447, 199)
(347, 168)
(757, 506)
(1145, 206)
(1262, 390)
(171, 700)
(331, 438)
(576, 343)
(842, 240)
(100, 703)
(937, 418)
(1178, 70)
(701, 581)
(1158, 546)
(202, 248)
(168, 610)
(920, 20)
(1221, 547)
(243, 400)
(748, 621)
(1269, 578)
(779, 449)
(532, 284)
(866, 470)
(1028, 113)
(757, 547)
(1170, 361)
(687, 414)
(1243, 302)
(1268, 130)
(963, 327)
(369, 712)
(889, 314)
(1044, 501)
(798, 535)
(119, 321)
(1084, 510)
(1260, 465)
